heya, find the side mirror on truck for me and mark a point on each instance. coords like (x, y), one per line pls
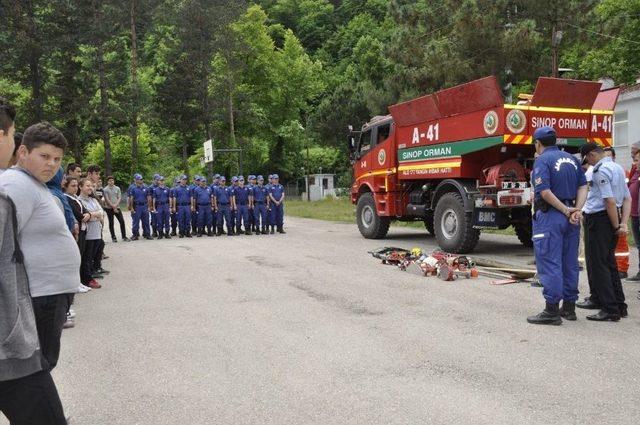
(351, 144)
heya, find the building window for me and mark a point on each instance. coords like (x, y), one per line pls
(325, 183)
(621, 129)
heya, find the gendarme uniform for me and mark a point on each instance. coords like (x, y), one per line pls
(555, 239)
(242, 193)
(161, 195)
(608, 181)
(138, 194)
(222, 197)
(182, 195)
(260, 194)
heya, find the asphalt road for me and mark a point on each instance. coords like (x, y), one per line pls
(307, 328)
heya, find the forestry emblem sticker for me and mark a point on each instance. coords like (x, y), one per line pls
(382, 157)
(491, 122)
(516, 121)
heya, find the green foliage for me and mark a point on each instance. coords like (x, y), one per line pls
(121, 150)
(275, 77)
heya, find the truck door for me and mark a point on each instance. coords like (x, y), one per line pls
(364, 153)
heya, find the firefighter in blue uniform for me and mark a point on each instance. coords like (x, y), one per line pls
(174, 213)
(251, 181)
(243, 201)
(138, 205)
(202, 200)
(234, 211)
(222, 206)
(214, 215)
(276, 198)
(268, 186)
(181, 207)
(194, 211)
(260, 194)
(560, 193)
(154, 216)
(160, 198)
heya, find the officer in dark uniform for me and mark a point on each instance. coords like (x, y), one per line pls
(606, 214)
(181, 204)
(202, 200)
(154, 216)
(214, 215)
(251, 181)
(222, 206)
(560, 192)
(174, 212)
(243, 195)
(276, 197)
(138, 205)
(194, 211)
(160, 197)
(234, 210)
(259, 194)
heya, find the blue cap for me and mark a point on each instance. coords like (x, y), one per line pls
(183, 177)
(160, 177)
(137, 176)
(251, 177)
(198, 178)
(203, 179)
(260, 178)
(156, 176)
(270, 176)
(234, 179)
(240, 178)
(223, 179)
(544, 133)
(217, 176)
(275, 176)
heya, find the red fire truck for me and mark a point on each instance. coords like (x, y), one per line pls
(460, 159)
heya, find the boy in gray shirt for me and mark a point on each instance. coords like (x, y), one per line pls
(27, 391)
(51, 255)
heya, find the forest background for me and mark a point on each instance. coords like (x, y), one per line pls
(139, 85)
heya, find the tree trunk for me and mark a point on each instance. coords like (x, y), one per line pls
(104, 111)
(134, 90)
(34, 65)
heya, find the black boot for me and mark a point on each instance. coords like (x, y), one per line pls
(229, 232)
(200, 232)
(209, 232)
(247, 232)
(257, 232)
(549, 316)
(173, 232)
(219, 232)
(154, 234)
(181, 235)
(135, 237)
(272, 230)
(281, 230)
(238, 230)
(160, 235)
(264, 230)
(568, 310)
(188, 233)
(167, 235)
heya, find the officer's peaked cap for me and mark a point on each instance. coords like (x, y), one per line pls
(137, 176)
(217, 176)
(160, 177)
(275, 176)
(183, 177)
(589, 147)
(234, 179)
(223, 178)
(156, 176)
(252, 177)
(544, 133)
(240, 178)
(260, 178)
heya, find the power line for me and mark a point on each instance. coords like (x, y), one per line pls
(602, 35)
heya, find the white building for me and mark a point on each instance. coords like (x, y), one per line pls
(626, 128)
(320, 186)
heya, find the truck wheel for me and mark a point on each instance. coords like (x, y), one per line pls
(428, 222)
(524, 231)
(371, 225)
(453, 226)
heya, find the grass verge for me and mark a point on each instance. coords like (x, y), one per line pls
(343, 211)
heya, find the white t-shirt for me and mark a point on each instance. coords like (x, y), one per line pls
(51, 256)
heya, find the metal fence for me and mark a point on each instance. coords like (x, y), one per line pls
(292, 191)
